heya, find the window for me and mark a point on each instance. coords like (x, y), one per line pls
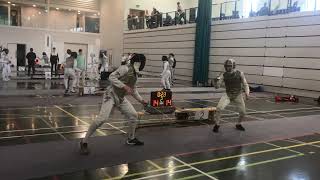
(92, 24)
(3, 15)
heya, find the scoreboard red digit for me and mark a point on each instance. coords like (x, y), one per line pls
(161, 98)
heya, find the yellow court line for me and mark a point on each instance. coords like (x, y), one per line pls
(298, 141)
(194, 168)
(114, 127)
(99, 131)
(287, 149)
(223, 158)
(154, 164)
(239, 167)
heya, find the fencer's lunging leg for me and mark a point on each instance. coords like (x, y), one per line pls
(106, 109)
(128, 110)
(239, 101)
(223, 103)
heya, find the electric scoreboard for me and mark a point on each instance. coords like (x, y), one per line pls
(161, 98)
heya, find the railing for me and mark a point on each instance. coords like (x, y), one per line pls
(224, 11)
(40, 17)
(188, 16)
(253, 8)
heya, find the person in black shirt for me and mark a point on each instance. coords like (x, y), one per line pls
(54, 59)
(31, 56)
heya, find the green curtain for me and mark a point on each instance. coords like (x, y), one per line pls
(202, 44)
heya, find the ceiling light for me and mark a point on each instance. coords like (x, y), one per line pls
(34, 5)
(39, 12)
(79, 11)
(95, 14)
(57, 8)
(9, 2)
(46, 10)
(13, 4)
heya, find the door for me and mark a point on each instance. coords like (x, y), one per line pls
(21, 55)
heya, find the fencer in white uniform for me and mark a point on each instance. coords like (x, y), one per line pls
(104, 61)
(6, 69)
(166, 74)
(70, 66)
(235, 83)
(123, 82)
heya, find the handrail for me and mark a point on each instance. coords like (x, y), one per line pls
(187, 16)
(225, 12)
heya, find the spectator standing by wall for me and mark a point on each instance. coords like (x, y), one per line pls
(31, 56)
(181, 14)
(54, 60)
(81, 68)
(172, 63)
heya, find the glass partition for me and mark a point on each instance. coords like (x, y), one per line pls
(228, 10)
(55, 18)
(4, 15)
(216, 8)
(35, 17)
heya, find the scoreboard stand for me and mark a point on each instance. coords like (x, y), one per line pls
(161, 103)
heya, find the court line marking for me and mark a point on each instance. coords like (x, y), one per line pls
(300, 142)
(62, 127)
(274, 145)
(154, 164)
(242, 166)
(52, 128)
(116, 128)
(268, 114)
(99, 131)
(224, 158)
(156, 175)
(280, 110)
(45, 134)
(194, 168)
(63, 106)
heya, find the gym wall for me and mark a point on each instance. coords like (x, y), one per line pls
(36, 39)
(154, 43)
(280, 52)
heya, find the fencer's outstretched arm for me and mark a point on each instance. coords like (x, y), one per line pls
(245, 84)
(137, 96)
(218, 81)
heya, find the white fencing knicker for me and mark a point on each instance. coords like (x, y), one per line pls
(69, 72)
(108, 104)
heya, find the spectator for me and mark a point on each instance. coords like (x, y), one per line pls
(44, 59)
(168, 21)
(148, 19)
(54, 60)
(31, 56)
(134, 21)
(81, 68)
(263, 11)
(129, 20)
(172, 62)
(180, 14)
(154, 18)
(70, 65)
